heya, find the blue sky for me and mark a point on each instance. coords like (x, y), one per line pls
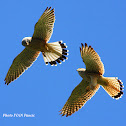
(43, 90)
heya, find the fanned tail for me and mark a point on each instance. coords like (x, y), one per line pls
(55, 53)
(113, 86)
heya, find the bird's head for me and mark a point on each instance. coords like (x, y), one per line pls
(81, 71)
(26, 41)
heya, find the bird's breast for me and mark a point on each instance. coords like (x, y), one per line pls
(37, 44)
(92, 78)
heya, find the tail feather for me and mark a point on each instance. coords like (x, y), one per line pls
(113, 86)
(55, 53)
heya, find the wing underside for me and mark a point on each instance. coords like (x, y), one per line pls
(91, 59)
(44, 27)
(79, 96)
(20, 64)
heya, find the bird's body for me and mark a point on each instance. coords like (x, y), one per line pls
(53, 53)
(35, 44)
(92, 79)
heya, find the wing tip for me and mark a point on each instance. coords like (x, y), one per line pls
(49, 9)
(8, 82)
(85, 45)
(82, 45)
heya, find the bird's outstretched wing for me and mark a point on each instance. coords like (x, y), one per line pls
(91, 59)
(20, 64)
(44, 27)
(79, 96)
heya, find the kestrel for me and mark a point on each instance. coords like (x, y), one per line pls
(53, 53)
(92, 79)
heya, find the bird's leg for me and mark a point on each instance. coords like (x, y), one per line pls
(44, 54)
(88, 88)
(92, 87)
(47, 48)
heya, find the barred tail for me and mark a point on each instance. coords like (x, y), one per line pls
(55, 53)
(113, 86)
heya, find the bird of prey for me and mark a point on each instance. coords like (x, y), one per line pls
(92, 79)
(53, 53)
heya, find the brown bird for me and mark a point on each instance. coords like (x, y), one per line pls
(53, 53)
(92, 79)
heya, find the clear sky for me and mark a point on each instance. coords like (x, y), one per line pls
(43, 90)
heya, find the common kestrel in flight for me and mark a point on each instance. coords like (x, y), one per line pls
(92, 79)
(53, 53)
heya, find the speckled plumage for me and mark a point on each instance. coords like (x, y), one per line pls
(53, 53)
(92, 79)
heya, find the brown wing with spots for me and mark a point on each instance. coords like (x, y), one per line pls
(44, 27)
(79, 96)
(91, 59)
(20, 64)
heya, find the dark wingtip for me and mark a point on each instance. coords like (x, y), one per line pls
(6, 81)
(46, 9)
(82, 45)
(53, 9)
(50, 8)
(85, 44)
(90, 46)
(80, 49)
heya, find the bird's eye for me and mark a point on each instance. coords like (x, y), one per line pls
(25, 42)
(28, 40)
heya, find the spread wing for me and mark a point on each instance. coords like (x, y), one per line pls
(91, 59)
(20, 64)
(44, 27)
(79, 96)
